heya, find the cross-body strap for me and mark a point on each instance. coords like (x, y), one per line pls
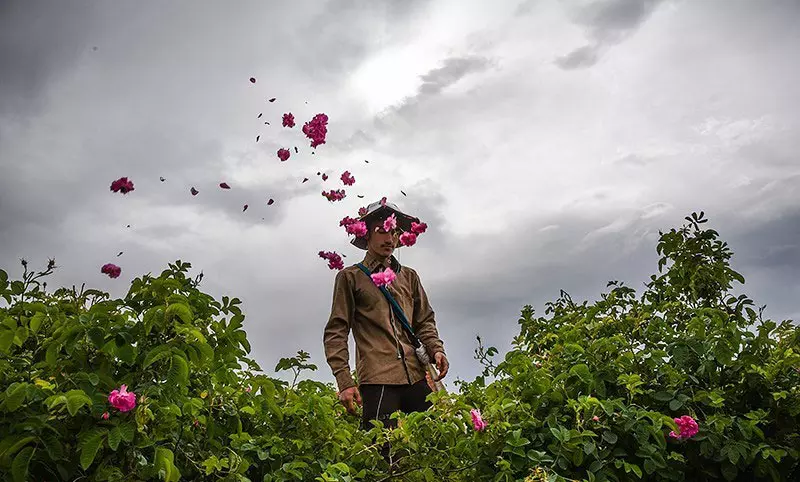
(398, 311)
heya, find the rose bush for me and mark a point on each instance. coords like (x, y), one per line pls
(683, 382)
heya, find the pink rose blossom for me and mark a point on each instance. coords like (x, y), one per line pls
(418, 228)
(288, 120)
(105, 415)
(362, 211)
(687, 428)
(122, 185)
(283, 154)
(390, 223)
(336, 195)
(334, 259)
(477, 421)
(596, 418)
(316, 129)
(122, 399)
(408, 239)
(384, 278)
(348, 179)
(383, 201)
(324, 177)
(358, 228)
(112, 270)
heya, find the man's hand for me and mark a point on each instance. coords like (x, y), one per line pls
(348, 396)
(441, 364)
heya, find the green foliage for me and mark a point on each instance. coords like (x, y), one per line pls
(588, 392)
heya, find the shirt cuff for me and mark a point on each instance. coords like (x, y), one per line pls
(345, 380)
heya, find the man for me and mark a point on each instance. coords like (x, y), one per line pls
(390, 375)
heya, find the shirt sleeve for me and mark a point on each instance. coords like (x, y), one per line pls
(424, 320)
(337, 331)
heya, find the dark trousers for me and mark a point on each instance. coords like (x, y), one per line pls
(380, 401)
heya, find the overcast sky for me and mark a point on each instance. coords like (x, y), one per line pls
(545, 143)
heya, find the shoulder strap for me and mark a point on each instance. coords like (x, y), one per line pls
(398, 311)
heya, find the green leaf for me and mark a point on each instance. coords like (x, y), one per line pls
(156, 354)
(663, 396)
(127, 430)
(610, 437)
(180, 310)
(91, 444)
(729, 471)
(51, 357)
(675, 404)
(19, 468)
(97, 336)
(6, 339)
(21, 336)
(582, 372)
(114, 437)
(178, 372)
(75, 400)
(36, 322)
(16, 396)
(165, 460)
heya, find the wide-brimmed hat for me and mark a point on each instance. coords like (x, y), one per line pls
(381, 210)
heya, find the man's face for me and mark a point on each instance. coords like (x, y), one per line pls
(380, 241)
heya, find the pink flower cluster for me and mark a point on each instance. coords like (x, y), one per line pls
(687, 428)
(334, 195)
(334, 259)
(288, 120)
(316, 129)
(418, 228)
(477, 422)
(408, 239)
(348, 179)
(283, 154)
(122, 399)
(112, 270)
(122, 185)
(354, 226)
(362, 211)
(390, 223)
(384, 278)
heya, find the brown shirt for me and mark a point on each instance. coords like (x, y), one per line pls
(384, 351)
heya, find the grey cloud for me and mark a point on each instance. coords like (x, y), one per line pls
(453, 70)
(608, 22)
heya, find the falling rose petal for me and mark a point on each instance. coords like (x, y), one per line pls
(295, 150)
(244, 208)
(404, 194)
(129, 225)
(317, 173)
(252, 80)
(324, 177)
(366, 161)
(161, 179)
(194, 191)
(259, 115)
(272, 99)
(120, 254)
(360, 196)
(267, 123)
(304, 180)
(257, 138)
(269, 203)
(224, 185)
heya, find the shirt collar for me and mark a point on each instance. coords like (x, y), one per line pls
(372, 262)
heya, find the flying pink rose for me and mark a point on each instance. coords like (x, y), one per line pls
(348, 179)
(122, 399)
(122, 185)
(359, 228)
(334, 259)
(362, 211)
(384, 278)
(477, 421)
(390, 223)
(316, 129)
(687, 428)
(283, 154)
(112, 270)
(408, 239)
(418, 228)
(334, 195)
(288, 120)
(224, 185)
